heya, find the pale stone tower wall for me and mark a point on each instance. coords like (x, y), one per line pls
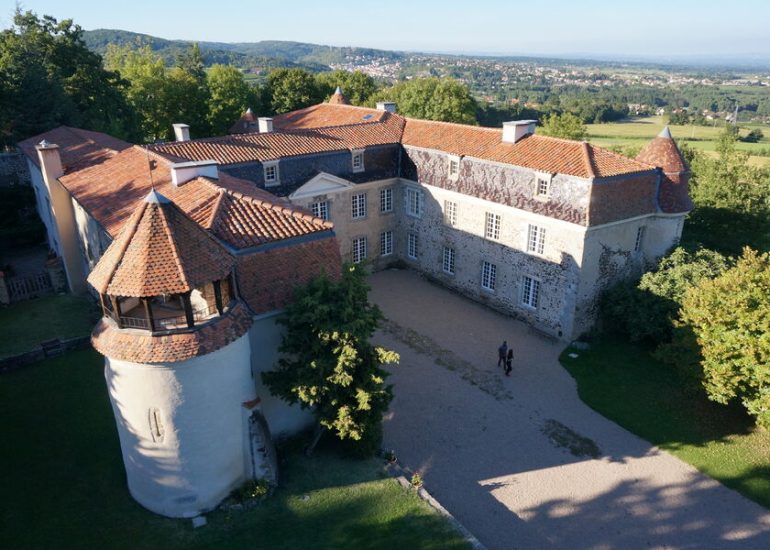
(183, 427)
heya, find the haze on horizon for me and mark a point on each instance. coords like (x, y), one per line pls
(660, 29)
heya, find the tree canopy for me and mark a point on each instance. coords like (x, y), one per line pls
(291, 89)
(565, 125)
(329, 364)
(442, 99)
(229, 97)
(48, 77)
(358, 87)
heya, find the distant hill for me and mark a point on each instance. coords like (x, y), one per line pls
(265, 53)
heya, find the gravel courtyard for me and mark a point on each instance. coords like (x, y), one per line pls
(521, 461)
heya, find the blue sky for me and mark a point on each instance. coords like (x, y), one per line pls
(577, 27)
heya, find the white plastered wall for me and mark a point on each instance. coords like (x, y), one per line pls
(199, 456)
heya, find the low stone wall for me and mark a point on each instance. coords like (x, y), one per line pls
(13, 169)
(45, 350)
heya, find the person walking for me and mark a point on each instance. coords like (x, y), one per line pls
(509, 362)
(501, 351)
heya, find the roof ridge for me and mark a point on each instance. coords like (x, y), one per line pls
(217, 207)
(447, 123)
(620, 155)
(587, 159)
(170, 234)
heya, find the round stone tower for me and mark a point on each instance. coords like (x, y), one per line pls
(177, 360)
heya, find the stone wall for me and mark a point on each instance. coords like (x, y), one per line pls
(13, 169)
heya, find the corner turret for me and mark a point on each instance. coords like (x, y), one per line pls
(662, 152)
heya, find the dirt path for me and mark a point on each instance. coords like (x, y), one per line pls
(521, 461)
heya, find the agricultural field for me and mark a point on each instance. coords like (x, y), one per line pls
(634, 133)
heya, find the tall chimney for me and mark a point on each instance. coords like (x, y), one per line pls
(388, 106)
(265, 124)
(182, 132)
(515, 130)
(63, 214)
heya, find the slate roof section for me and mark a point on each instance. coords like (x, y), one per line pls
(140, 346)
(160, 251)
(77, 147)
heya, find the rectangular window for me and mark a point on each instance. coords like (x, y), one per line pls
(386, 200)
(639, 239)
(450, 213)
(536, 239)
(272, 176)
(411, 249)
(320, 209)
(449, 260)
(386, 243)
(359, 250)
(358, 161)
(358, 203)
(543, 187)
(413, 202)
(492, 226)
(488, 276)
(454, 167)
(530, 292)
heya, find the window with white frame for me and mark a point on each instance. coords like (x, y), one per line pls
(359, 250)
(454, 167)
(413, 202)
(358, 206)
(492, 226)
(450, 213)
(411, 246)
(530, 292)
(386, 243)
(358, 161)
(542, 186)
(272, 175)
(386, 200)
(639, 239)
(449, 260)
(535, 239)
(320, 209)
(488, 275)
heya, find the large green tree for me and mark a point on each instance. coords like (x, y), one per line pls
(48, 77)
(329, 364)
(358, 87)
(230, 96)
(565, 125)
(291, 89)
(442, 99)
(730, 318)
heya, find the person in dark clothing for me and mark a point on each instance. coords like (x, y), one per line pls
(501, 351)
(509, 363)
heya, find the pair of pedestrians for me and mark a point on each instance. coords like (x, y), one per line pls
(505, 358)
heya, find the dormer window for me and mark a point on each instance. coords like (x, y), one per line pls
(358, 160)
(454, 167)
(542, 186)
(272, 175)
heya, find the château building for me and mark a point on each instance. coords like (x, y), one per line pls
(193, 247)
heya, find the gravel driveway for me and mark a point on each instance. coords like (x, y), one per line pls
(498, 452)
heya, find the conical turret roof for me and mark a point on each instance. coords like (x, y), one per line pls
(663, 153)
(160, 251)
(338, 98)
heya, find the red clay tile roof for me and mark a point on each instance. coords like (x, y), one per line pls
(537, 152)
(663, 153)
(160, 251)
(111, 191)
(247, 123)
(77, 147)
(324, 115)
(338, 98)
(140, 346)
(275, 145)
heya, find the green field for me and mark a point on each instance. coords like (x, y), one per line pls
(637, 132)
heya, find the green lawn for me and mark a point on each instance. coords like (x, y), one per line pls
(624, 383)
(63, 483)
(25, 324)
(637, 132)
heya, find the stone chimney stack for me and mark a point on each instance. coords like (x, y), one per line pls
(388, 106)
(182, 132)
(265, 124)
(515, 130)
(63, 215)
